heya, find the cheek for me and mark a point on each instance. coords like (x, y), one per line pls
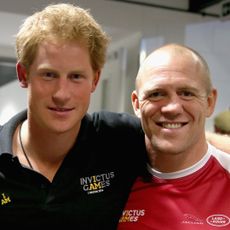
(82, 93)
(198, 111)
(148, 109)
(38, 91)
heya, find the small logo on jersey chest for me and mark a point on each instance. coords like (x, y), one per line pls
(218, 220)
(131, 215)
(5, 199)
(96, 183)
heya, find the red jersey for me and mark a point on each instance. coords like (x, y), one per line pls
(197, 198)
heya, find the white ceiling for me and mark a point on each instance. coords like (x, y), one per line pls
(27, 6)
(99, 7)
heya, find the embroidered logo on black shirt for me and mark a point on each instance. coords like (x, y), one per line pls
(96, 183)
(5, 199)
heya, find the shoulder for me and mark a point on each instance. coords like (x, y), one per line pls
(116, 120)
(118, 126)
(222, 157)
(7, 131)
(9, 127)
(220, 141)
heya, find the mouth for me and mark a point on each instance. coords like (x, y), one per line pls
(61, 109)
(171, 125)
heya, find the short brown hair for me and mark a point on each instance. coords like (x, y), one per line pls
(64, 22)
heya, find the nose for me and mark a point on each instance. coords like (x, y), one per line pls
(61, 91)
(173, 106)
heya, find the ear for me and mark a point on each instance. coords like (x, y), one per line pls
(211, 102)
(21, 74)
(135, 103)
(95, 80)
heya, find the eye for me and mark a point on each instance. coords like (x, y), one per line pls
(76, 76)
(155, 96)
(48, 75)
(187, 94)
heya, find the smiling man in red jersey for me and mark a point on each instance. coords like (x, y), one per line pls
(187, 183)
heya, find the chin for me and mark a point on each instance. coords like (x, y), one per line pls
(166, 147)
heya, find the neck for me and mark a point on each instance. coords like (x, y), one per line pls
(42, 151)
(22, 147)
(49, 145)
(169, 161)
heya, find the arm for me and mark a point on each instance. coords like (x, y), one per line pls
(220, 141)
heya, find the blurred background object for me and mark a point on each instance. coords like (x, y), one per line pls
(222, 122)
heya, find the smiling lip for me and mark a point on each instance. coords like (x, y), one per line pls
(61, 109)
(61, 112)
(171, 125)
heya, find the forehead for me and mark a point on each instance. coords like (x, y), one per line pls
(172, 59)
(162, 64)
(61, 56)
(171, 82)
(62, 51)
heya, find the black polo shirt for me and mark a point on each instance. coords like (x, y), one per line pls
(91, 186)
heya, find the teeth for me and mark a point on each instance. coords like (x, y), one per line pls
(172, 126)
